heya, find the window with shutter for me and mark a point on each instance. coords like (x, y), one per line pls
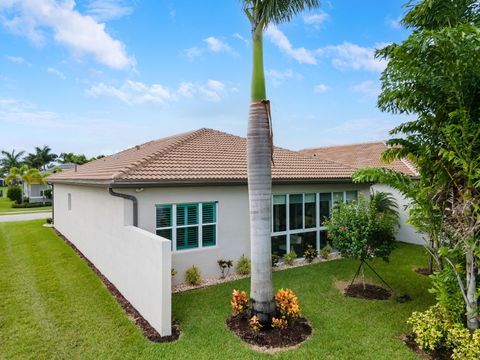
(164, 221)
(209, 228)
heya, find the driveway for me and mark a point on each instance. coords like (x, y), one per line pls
(25, 217)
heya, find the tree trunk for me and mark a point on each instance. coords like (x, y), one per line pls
(260, 199)
(472, 301)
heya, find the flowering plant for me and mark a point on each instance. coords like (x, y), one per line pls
(239, 302)
(287, 305)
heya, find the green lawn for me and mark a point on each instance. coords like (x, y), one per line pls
(53, 307)
(6, 206)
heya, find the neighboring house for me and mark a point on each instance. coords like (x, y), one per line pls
(36, 191)
(368, 155)
(190, 190)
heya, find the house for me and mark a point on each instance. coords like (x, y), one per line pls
(368, 155)
(182, 201)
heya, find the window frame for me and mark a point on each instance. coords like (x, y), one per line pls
(318, 228)
(199, 225)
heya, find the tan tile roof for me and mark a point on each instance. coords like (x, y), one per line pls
(203, 155)
(365, 155)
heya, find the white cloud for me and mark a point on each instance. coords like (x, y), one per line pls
(80, 33)
(277, 77)
(137, 93)
(316, 20)
(320, 89)
(394, 23)
(241, 38)
(193, 52)
(105, 10)
(352, 56)
(134, 92)
(54, 71)
(16, 59)
(368, 87)
(216, 45)
(302, 55)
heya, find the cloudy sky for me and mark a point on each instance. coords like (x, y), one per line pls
(97, 76)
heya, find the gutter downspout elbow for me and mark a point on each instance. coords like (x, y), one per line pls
(132, 198)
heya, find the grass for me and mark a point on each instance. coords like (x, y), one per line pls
(53, 307)
(6, 206)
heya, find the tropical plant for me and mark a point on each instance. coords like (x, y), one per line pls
(275, 260)
(14, 193)
(225, 266)
(310, 253)
(326, 251)
(192, 276)
(289, 258)
(287, 305)
(243, 266)
(10, 160)
(435, 74)
(40, 158)
(239, 302)
(80, 159)
(24, 174)
(261, 14)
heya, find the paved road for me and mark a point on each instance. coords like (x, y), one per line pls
(25, 217)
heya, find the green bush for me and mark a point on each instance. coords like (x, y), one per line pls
(360, 231)
(49, 220)
(48, 193)
(431, 327)
(30, 205)
(326, 251)
(275, 259)
(14, 193)
(465, 346)
(192, 276)
(447, 293)
(289, 258)
(243, 266)
(310, 253)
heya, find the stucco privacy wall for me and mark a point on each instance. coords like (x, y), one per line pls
(137, 262)
(406, 233)
(233, 222)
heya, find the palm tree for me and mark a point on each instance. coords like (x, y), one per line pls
(261, 14)
(10, 159)
(40, 158)
(24, 175)
(385, 204)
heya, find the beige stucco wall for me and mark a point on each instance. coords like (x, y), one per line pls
(406, 233)
(136, 261)
(232, 219)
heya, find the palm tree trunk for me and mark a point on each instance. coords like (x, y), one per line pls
(259, 152)
(472, 304)
(260, 197)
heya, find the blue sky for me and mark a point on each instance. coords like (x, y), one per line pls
(97, 76)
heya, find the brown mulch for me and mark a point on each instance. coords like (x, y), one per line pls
(132, 313)
(423, 271)
(370, 292)
(409, 340)
(271, 338)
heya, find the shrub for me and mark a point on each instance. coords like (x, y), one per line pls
(48, 193)
(14, 193)
(275, 259)
(290, 257)
(326, 251)
(255, 324)
(49, 220)
(431, 327)
(466, 346)
(239, 302)
(287, 305)
(310, 253)
(173, 272)
(29, 205)
(192, 276)
(279, 323)
(225, 266)
(448, 294)
(243, 266)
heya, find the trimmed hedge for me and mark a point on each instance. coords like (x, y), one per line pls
(30, 205)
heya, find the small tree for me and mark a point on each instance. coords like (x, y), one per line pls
(364, 230)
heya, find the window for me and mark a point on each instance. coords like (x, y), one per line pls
(310, 211)
(299, 220)
(69, 200)
(189, 226)
(279, 213)
(296, 211)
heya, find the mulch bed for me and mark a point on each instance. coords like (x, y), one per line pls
(409, 340)
(132, 313)
(370, 292)
(423, 271)
(271, 338)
